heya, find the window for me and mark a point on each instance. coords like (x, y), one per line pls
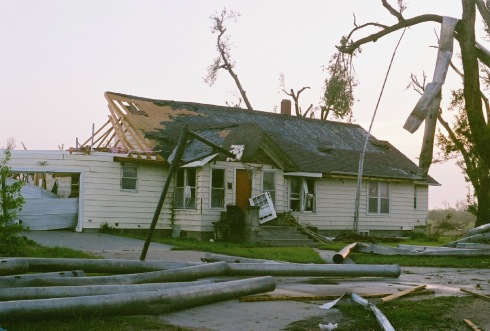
(302, 194)
(269, 184)
(185, 188)
(129, 178)
(379, 198)
(415, 197)
(217, 188)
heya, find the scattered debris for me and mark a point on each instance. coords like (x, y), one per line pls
(328, 326)
(402, 293)
(380, 317)
(256, 298)
(329, 305)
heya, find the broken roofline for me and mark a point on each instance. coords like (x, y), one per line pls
(153, 117)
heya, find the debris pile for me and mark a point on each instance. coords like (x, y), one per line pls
(129, 287)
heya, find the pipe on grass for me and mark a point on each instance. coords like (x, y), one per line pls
(110, 266)
(136, 303)
(314, 270)
(173, 275)
(13, 267)
(28, 293)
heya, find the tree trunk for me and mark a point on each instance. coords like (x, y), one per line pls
(479, 130)
(483, 196)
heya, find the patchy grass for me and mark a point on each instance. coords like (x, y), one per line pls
(441, 313)
(32, 249)
(289, 254)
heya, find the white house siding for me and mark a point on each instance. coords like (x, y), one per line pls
(335, 203)
(101, 198)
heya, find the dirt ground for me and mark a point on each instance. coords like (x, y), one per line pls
(289, 315)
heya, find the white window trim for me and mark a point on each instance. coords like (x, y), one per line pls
(211, 188)
(378, 213)
(275, 184)
(195, 188)
(122, 176)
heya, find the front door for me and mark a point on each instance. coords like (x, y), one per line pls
(243, 189)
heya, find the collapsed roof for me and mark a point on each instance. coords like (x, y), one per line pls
(150, 129)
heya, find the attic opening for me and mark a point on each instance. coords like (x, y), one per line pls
(133, 109)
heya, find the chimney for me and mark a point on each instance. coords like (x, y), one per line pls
(286, 107)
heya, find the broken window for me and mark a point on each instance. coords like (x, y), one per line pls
(129, 177)
(302, 194)
(379, 197)
(217, 188)
(269, 184)
(185, 188)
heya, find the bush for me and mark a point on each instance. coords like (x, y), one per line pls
(11, 243)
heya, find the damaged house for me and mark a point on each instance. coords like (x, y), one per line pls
(304, 166)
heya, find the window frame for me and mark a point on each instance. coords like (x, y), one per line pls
(272, 192)
(379, 198)
(215, 189)
(301, 196)
(125, 177)
(181, 189)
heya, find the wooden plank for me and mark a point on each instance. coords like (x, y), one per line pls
(402, 293)
(471, 325)
(481, 296)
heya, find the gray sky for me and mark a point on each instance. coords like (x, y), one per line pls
(58, 57)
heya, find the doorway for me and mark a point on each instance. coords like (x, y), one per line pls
(243, 188)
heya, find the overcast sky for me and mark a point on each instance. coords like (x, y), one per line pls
(57, 58)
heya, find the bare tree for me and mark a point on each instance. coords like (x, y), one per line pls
(223, 46)
(295, 96)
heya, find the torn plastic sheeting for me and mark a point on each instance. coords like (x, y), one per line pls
(330, 304)
(380, 317)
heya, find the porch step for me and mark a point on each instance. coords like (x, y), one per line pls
(282, 236)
